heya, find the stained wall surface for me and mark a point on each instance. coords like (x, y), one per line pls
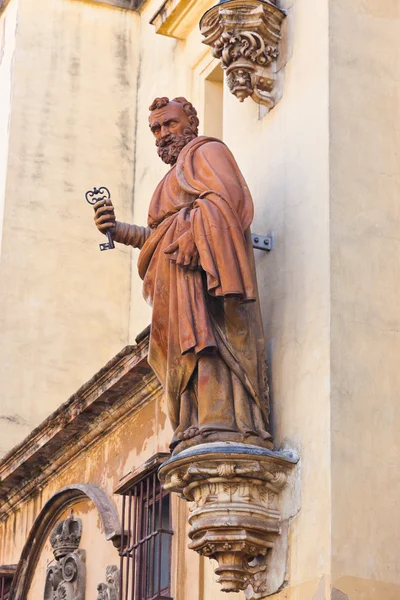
(64, 306)
(8, 25)
(365, 277)
(126, 448)
(103, 463)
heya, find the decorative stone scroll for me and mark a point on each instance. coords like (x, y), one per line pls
(110, 589)
(66, 577)
(235, 518)
(246, 35)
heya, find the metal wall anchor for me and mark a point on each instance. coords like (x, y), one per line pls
(262, 242)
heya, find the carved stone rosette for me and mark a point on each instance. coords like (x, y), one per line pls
(234, 517)
(246, 36)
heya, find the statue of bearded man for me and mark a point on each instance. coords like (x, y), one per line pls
(197, 265)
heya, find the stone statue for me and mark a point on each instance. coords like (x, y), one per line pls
(197, 265)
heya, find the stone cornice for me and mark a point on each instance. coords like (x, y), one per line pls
(176, 18)
(124, 384)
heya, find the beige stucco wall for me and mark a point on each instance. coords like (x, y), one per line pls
(365, 276)
(64, 306)
(8, 26)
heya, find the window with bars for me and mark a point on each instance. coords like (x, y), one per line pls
(6, 577)
(3, 591)
(145, 570)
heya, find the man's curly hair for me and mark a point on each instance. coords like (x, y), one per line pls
(187, 107)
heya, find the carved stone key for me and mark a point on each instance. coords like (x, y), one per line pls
(93, 196)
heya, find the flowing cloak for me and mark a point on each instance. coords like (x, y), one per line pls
(215, 308)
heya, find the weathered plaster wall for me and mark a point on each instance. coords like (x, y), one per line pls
(64, 306)
(8, 26)
(103, 463)
(365, 275)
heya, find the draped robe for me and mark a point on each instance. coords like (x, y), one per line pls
(206, 342)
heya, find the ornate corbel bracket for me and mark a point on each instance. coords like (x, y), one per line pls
(234, 490)
(247, 37)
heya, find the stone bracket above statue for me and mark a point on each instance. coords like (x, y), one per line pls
(250, 40)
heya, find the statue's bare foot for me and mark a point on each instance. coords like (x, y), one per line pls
(190, 433)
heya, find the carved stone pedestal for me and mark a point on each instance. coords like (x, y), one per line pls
(234, 517)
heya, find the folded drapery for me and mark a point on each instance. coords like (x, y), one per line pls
(210, 311)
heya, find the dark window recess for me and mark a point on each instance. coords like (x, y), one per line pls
(6, 577)
(146, 548)
(4, 588)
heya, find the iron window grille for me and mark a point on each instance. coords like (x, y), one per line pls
(145, 552)
(3, 592)
(6, 577)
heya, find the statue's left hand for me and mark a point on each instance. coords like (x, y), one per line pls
(184, 251)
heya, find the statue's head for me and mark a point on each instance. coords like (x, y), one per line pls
(174, 124)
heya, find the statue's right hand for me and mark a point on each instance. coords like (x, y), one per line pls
(104, 216)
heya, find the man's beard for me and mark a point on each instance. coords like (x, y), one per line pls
(170, 146)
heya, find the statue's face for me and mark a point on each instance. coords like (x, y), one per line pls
(171, 128)
(168, 120)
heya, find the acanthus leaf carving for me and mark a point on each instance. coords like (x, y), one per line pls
(230, 47)
(246, 36)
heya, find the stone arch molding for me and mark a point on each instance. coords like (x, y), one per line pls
(47, 517)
